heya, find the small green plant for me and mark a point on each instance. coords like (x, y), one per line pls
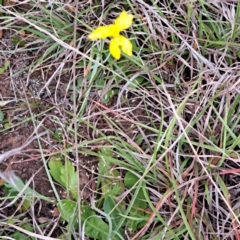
(112, 186)
(93, 225)
(64, 174)
(5, 67)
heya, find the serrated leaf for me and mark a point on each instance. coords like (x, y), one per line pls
(112, 184)
(69, 175)
(65, 175)
(74, 185)
(104, 164)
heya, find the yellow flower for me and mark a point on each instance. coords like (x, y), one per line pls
(122, 42)
(122, 22)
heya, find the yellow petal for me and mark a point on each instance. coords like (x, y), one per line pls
(120, 42)
(124, 21)
(104, 32)
(115, 48)
(126, 45)
(100, 32)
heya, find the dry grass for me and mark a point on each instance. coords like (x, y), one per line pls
(173, 122)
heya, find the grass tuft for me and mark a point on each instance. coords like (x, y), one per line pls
(146, 147)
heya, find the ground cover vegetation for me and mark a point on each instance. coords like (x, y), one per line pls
(127, 132)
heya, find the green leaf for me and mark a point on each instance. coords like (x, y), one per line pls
(7, 126)
(69, 211)
(1, 116)
(137, 213)
(112, 184)
(78, 84)
(136, 221)
(11, 192)
(69, 175)
(6, 64)
(73, 184)
(103, 155)
(130, 179)
(25, 206)
(109, 94)
(58, 135)
(139, 202)
(62, 237)
(109, 206)
(18, 41)
(55, 166)
(65, 175)
(139, 139)
(19, 236)
(104, 165)
(94, 226)
(136, 82)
